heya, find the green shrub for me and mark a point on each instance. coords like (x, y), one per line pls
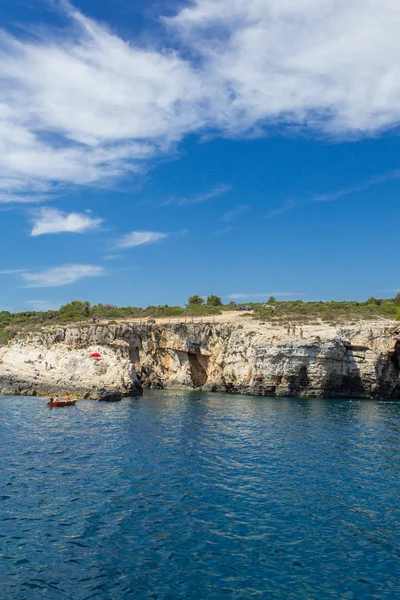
(214, 301)
(5, 337)
(296, 311)
(195, 300)
(75, 311)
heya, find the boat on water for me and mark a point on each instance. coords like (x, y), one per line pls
(57, 402)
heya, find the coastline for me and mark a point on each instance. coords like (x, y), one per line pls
(360, 360)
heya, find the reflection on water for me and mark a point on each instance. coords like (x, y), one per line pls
(187, 495)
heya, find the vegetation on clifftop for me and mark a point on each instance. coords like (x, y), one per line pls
(331, 311)
(272, 309)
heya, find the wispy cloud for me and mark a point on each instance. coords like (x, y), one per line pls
(42, 305)
(63, 275)
(22, 189)
(248, 296)
(222, 231)
(360, 187)
(216, 192)
(51, 220)
(276, 212)
(112, 256)
(337, 194)
(86, 106)
(235, 212)
(139, 238)
(13, 198)
(11, 271)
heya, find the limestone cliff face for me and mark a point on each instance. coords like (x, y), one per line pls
(358, 361)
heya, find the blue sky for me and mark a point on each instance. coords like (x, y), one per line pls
(150, 150)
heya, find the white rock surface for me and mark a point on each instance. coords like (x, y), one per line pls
(361, 360)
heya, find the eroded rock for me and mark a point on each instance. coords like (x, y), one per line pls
(357, 361)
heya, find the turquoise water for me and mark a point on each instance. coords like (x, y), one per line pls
(187, 495)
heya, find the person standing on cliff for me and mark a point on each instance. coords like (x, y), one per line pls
(294, 329)
(301, 332)
(288, 328)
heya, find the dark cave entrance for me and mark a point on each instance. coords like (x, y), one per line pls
(198, 369)
(395, 357)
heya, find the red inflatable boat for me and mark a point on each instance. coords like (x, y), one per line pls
(62, 403)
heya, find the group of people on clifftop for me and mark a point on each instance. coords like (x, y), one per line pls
(291, 329)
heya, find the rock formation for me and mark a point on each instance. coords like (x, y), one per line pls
(362, 360)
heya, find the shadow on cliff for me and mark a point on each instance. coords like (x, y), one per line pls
(388, 373)
(198, 369)
(299, 383)
(349, 382)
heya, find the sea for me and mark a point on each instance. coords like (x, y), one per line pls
(178, 495)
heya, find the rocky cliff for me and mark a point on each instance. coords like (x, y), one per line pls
(362, 360)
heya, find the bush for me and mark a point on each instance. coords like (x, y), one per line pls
(214, 301)
(75, 310)
(5, 318)
(5, 337)
(388, 308)
(196, 300)
(293, 310)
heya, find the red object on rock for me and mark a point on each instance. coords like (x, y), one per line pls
(95, 355)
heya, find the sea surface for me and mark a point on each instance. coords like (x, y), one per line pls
(186, 495)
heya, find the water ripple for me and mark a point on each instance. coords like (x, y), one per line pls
(168, 497)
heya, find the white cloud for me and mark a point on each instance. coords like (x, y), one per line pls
(216, 192)
(112, 256)
(222, 231)
(51, 220)
(11, 271)
(276, 212)
(327, 64)
(42, 305)
(138, 238)
(86, 106)
(267, 295)
(22, 189)
(62, 275)
(235, 212)
(360, 187)
(335, 195)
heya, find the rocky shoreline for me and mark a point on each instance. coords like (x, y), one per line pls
(358, 361)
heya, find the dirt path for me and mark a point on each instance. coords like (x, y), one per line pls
(277, 331)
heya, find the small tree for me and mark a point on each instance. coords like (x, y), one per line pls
(5, 318)
(196, 300)
(214, 301)
(396, 299)
(271, 300)
(75, 310)
(388, 308)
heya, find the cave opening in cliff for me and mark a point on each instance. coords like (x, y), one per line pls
(395, 358)
(198, 369)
